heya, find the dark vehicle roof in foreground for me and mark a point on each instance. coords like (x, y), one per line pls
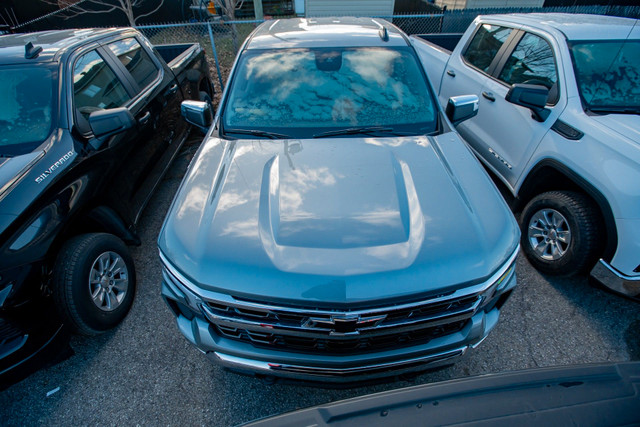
(603, 394)
(53, 43)
(322, 32)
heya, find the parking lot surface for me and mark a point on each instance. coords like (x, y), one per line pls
(144, 372)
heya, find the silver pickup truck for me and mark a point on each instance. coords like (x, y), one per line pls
(559, 125)
(333, 226)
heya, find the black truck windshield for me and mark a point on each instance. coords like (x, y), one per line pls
(26, 98)
(608, 74)
(304, 92)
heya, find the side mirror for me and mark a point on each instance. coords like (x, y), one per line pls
(461, 108)
(533, 97)
(106, 123)
(197, 113)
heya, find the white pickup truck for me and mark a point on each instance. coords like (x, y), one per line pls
(558, 124)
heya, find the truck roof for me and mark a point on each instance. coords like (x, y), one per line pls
(576, 26)
(325, 32)
(53, 43)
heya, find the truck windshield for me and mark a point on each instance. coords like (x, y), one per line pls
(608, 74)
(306, 92)
(25, 108)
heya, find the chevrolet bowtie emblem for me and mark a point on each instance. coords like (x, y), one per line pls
(344, 325)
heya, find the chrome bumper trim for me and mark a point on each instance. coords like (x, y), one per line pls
(339, 374)
(616, 281)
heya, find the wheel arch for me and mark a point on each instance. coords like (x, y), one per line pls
(200, 81)
(550, 175)
(97, 219)
(107, 220)
(205, 85)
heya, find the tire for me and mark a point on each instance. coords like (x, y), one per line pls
(561, 232)
(88, 301)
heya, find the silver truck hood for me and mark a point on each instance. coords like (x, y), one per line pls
(337, 219)
(627, 125)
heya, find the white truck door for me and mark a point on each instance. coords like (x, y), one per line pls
(468, 72)
(509, 132)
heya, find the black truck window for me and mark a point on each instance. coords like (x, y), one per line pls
(485, 45)
(95, 87)
(136, 60)
(531, 62)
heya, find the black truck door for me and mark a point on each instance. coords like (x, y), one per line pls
(156, 106)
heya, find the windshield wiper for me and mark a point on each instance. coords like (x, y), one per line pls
(362, 130)
(255, 132)
(614, 110)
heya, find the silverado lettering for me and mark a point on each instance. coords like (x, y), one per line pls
(53, 167)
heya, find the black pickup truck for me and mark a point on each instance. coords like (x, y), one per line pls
(89, 122)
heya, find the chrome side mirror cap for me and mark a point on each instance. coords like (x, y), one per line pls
(461, 108)
(197, 113)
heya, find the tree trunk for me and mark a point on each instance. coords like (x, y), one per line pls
(230, 11)
(128, 10)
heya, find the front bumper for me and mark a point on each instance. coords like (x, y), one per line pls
(371, 371)
(328, 361)
(616, 281)
(247, 359)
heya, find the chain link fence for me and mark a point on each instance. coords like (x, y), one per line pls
(221, 39)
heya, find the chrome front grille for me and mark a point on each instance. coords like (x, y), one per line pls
(340, 331)
(335, 331)
(351, 344)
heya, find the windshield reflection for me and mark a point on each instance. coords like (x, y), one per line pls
(25, 110)
(608, 72)
(297, 91)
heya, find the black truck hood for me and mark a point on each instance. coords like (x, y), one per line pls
(13, 168)
(24, 178)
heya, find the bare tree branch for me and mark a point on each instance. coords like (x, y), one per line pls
(78, 10)
(73, 8)
(150, 13)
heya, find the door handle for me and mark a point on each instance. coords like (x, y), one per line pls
(451, 73)
(145, 118)
(172, 89)
(489, 96)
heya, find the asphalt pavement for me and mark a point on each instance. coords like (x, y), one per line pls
(145, 373)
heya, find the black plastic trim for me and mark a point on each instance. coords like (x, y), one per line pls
(567, 131)
(112, 222)
(504, 53)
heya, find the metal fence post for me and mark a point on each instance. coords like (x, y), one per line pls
(215, 56)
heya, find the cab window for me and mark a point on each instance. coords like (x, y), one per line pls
(136, 61)
(485, 45)
(95, 87)
(531, 62)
